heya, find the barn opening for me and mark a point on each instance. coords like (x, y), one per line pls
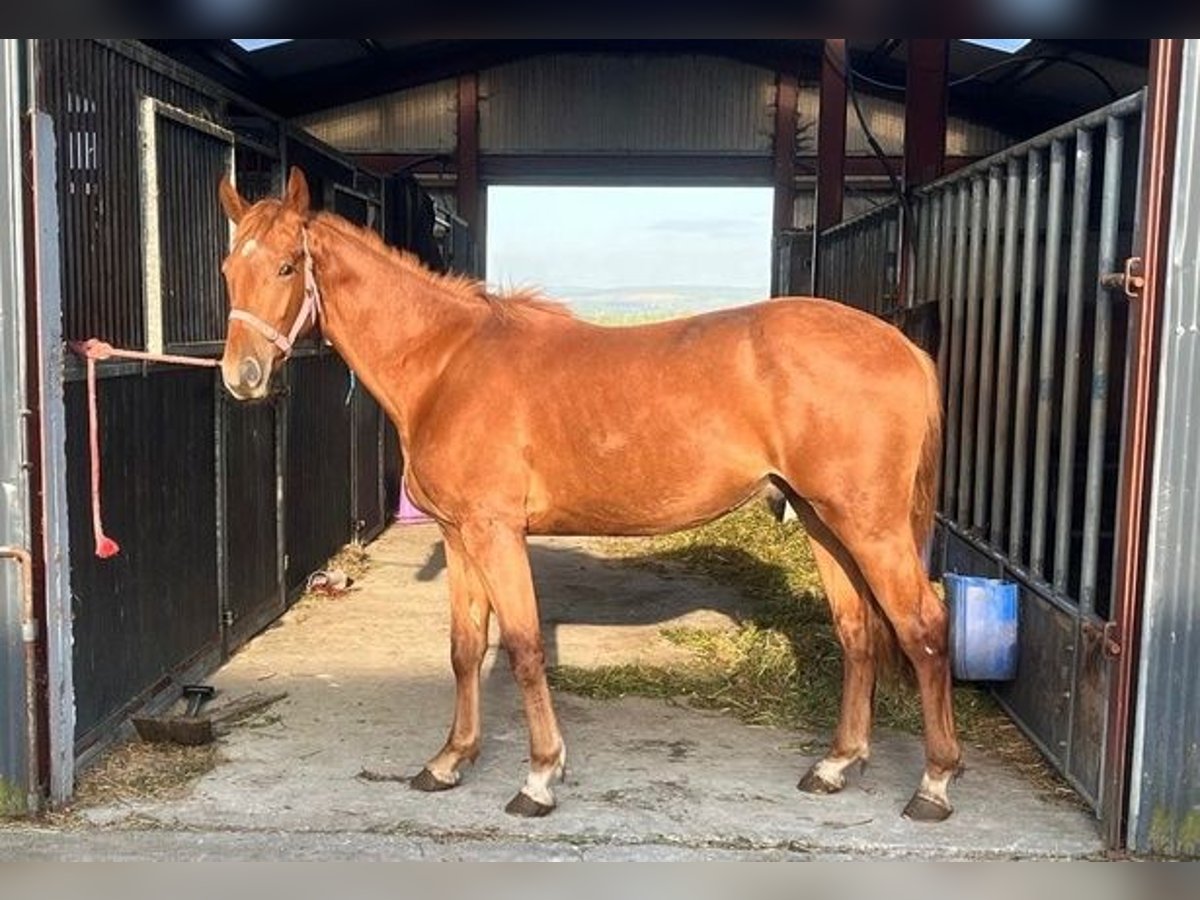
(628, 254)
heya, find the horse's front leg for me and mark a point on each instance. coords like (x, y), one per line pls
(469, 613)
(499, 552)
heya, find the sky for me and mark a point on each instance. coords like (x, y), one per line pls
(1008, 45)
(564, 238)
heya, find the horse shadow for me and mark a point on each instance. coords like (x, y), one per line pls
(578, 587)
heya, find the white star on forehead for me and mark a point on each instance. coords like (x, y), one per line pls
(249, 247)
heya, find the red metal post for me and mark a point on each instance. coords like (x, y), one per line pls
(786, 91)
(1145, 314)
(924, 135)
(467, 155)
(925, 111)
(831, 134)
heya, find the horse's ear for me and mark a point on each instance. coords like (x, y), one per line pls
(296, 195)
(232, 202)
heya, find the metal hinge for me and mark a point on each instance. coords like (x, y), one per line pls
(1131, 280)
(227, 618)
(1114, 644)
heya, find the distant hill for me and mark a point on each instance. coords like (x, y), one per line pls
(658, 301)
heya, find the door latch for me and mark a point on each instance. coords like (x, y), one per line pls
(1130, 281)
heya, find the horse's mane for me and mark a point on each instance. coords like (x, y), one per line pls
(518, 303)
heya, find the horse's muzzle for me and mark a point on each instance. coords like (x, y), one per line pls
(247, 379)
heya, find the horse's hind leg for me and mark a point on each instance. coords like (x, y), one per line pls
(499, 553)
(469, 613)
(888, 560)
(850, 603)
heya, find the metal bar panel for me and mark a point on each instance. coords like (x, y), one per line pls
(1065, 494)
(1114, 148)
(946, 293)
(966, 461)
(987, 354)
(1025, 349)
(955, 389)
(1046, 358)
(1126, 106)
(858, 273)
(871, 275)
(919, 267)
(933, 225)
(1008, 295)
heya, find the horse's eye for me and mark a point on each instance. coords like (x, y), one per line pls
(286, 269)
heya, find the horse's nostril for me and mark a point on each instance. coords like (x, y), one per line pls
(250, 372)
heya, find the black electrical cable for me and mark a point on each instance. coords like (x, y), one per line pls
(847, 74)
(1050, 57)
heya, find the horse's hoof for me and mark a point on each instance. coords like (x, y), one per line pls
(525, 806)
(429, 783)
(925, 809)
(814, 783)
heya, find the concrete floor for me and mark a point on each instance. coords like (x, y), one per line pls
(370, 690)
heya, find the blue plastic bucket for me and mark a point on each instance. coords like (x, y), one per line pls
(983, 627)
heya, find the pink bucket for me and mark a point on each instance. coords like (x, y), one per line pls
(406, 512)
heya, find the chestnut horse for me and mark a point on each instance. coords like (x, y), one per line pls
(518, 419)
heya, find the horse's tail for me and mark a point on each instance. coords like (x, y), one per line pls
(924, 503)
(891, 662)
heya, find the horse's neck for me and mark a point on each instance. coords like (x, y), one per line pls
(392, 324)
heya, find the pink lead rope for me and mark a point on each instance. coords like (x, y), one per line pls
(94, 350)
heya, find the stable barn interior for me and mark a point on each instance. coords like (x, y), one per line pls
(1027, 182)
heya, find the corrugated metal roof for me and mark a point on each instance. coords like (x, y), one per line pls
(611, 103)
(885, 118)
(420, 120)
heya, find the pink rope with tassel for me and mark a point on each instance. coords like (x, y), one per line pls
(94, 351)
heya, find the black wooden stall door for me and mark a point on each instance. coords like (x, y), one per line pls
(317, 486)
(367, 473)
(252, 488)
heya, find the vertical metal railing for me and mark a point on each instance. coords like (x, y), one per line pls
(1114, 148)
(970, 389)
(1011, 250)
(1002, 450)
(1028, 399)
(987, 353)
(857, 260)
(954, 387)
(1025, 352)
(1046, 357)
(1065, 491)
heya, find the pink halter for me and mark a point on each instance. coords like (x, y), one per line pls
(310, 309)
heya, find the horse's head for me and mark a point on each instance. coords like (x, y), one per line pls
(272, 296)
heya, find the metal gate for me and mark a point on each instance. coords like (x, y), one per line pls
(1013, 250)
